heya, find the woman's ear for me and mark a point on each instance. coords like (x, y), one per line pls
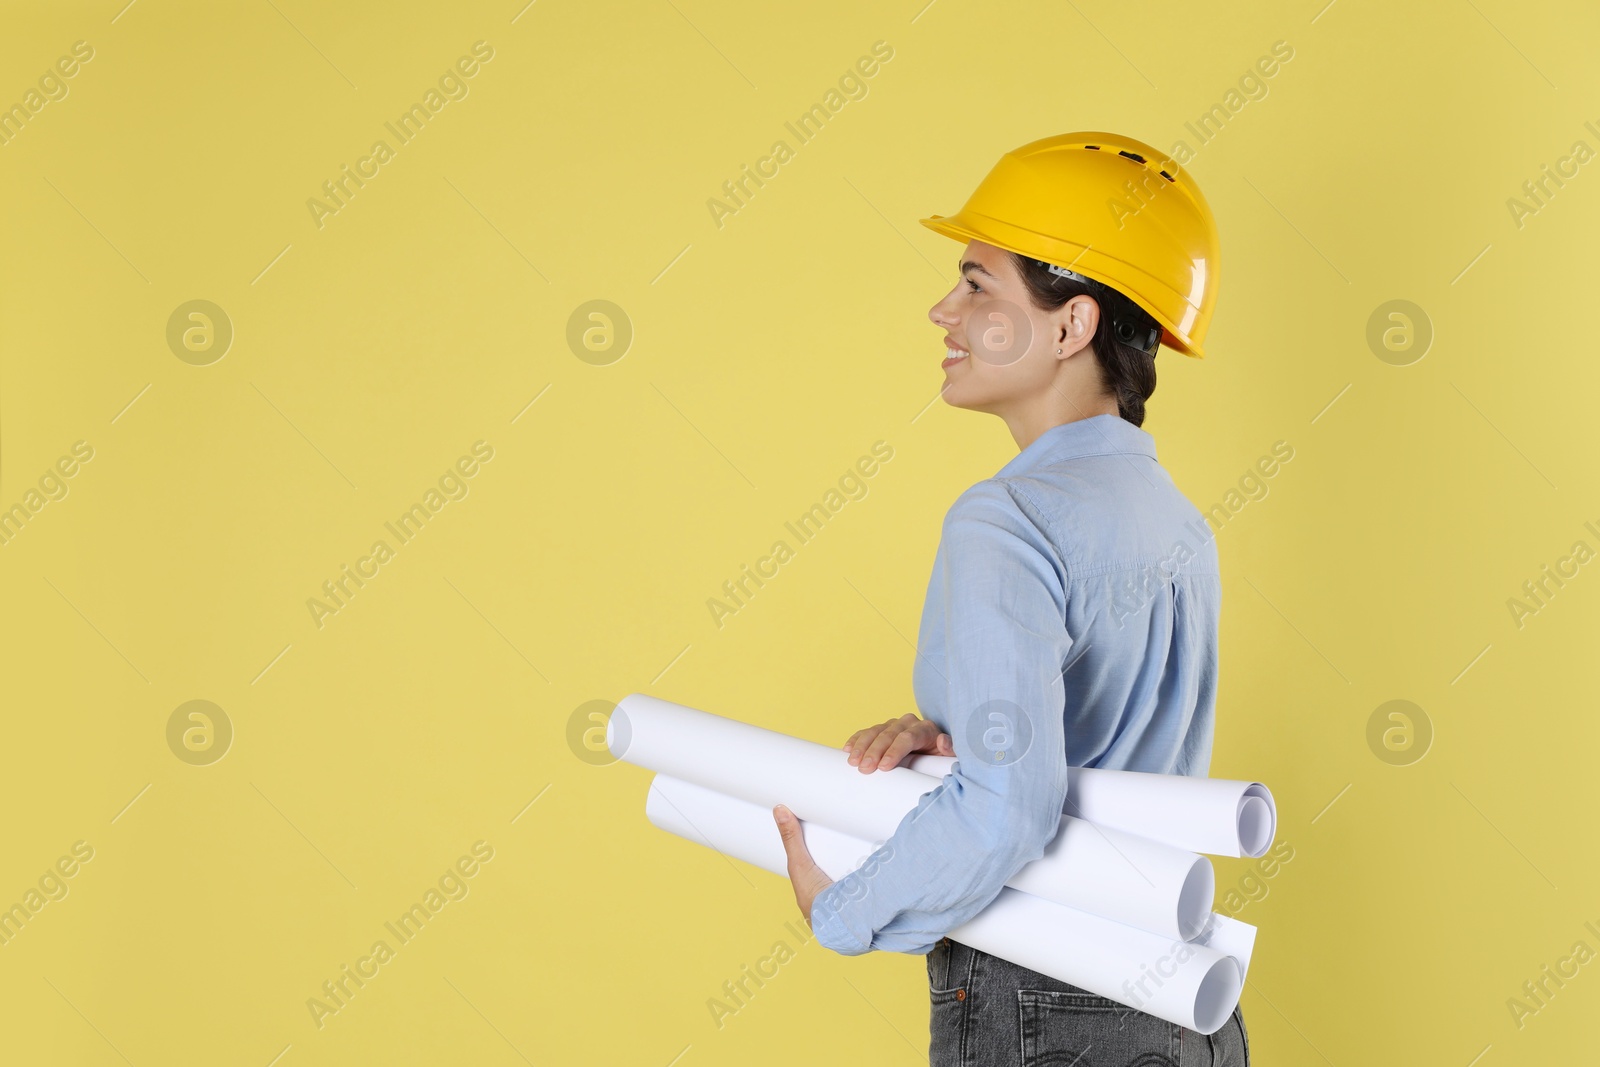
(1080, 317)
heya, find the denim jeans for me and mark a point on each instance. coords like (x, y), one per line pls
(987, 1012)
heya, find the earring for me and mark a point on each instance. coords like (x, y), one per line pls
(1058, 351)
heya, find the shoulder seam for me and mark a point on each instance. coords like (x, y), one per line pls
(1030, 509)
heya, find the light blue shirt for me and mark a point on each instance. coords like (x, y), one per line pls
(1071, 621)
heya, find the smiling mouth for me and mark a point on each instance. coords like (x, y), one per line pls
(953, 355)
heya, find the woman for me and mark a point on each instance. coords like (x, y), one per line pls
(1071, 618)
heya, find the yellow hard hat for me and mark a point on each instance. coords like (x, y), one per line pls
(1112, 209)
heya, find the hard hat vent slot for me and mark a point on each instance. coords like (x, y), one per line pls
(1167, 176)
(1093, 146)
(1130, 155)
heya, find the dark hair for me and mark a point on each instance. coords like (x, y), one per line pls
(1126, 372)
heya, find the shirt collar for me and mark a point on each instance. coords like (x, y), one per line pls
(1100, 435)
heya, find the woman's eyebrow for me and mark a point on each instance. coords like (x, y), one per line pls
(979, 267)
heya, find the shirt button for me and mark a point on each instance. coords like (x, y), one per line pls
(961, 994)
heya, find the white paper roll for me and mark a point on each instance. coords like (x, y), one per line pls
(1098, 869)
(1193, 984)
(1231, 938)
(1217, 816)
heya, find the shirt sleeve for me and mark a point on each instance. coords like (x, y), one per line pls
(1006, 643)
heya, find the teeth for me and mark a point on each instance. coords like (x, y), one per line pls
(954, 353)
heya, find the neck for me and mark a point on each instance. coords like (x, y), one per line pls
(1054, 409)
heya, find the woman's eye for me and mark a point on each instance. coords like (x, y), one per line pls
(975, 287)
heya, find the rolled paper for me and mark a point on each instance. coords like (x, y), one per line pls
(762, 766)
(1231, 938)
(1216, 816)
(1193, 984)
(1097, 869)
(1123, 876)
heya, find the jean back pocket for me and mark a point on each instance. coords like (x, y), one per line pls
(1085, 1030)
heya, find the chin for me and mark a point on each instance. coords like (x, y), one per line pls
(957, 397)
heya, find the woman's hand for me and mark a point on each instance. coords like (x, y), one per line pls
(883, 747)
(807, 878)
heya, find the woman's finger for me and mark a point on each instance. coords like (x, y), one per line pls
(867, 737)
(875, 751)
(859, 742)
(923, 736)
(906, 742)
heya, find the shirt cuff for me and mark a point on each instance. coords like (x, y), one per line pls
(830, 928)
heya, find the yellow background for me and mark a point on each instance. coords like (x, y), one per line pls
(768, 354)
